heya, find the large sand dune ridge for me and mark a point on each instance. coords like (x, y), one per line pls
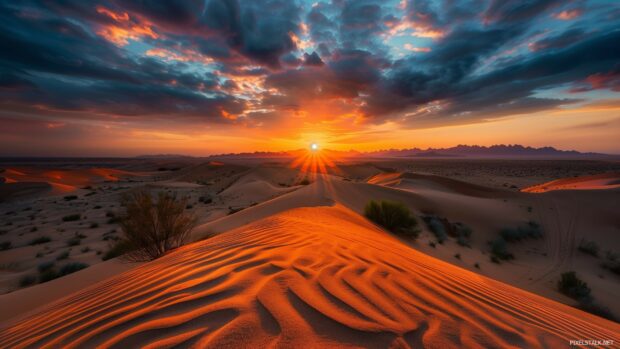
(308, 277)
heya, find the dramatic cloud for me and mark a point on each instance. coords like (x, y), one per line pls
(263, 63)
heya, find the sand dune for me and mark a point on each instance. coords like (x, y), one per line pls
(310, 277)
(12, 190)
(54, 181)
(601, 181)
(409, 180)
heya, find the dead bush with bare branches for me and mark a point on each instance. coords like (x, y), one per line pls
(151, 227)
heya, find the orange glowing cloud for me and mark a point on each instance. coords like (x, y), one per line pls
(567, 15)
(125, 30)
(412, 48)
(419, 29)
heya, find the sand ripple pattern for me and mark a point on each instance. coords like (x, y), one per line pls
(309, 277)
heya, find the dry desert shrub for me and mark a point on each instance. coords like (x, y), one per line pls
(151, 227)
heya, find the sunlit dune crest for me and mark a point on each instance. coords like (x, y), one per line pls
(594, 182)
(310, 277)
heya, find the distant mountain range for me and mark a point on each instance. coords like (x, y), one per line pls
(501, 150)
(459, 151)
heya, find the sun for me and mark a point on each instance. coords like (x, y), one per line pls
(314, 147)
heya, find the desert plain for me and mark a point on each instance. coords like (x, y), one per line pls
(283, 256)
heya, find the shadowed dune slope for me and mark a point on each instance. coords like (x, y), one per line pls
(308, 277)
(600, 181)
(409, 180)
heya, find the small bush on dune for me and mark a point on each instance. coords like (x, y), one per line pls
(577, 289)
(612, 262)
(48, 275)
(118, 249)
(463, 233)
(393, 216)
(72, 268)
(62, 256)
(529, 231)
(588, 247)
(499, 251)
(72, 217)
(5, 245)
(74, 241)
(27, 281)
(153, 227)
(436, 226)
(40, 240)
(42, 267)
(574, 287)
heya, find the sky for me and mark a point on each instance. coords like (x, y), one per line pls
(125, 78)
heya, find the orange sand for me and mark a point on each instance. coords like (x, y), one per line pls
(602, 181)
(308, 277)
(66, 178)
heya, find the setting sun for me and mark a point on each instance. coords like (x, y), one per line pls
(314, 147)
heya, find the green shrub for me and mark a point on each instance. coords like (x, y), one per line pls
(48, 275)
(577, 289)
(40, 240)
(118, 249)
(463, 233)
(205, 199)
(72, 217)
(5, 245)
(574, 287)
(393, 216)
(74, 241)
(72, 268)
(436, 226)
(613, 266)
(63, 256)
(27, 281)
(45, 266)
(499, 251)
(588, 247)
(593, 308)
(529, 231)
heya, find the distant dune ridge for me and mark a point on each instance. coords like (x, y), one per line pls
(310, 277)
(600, 181)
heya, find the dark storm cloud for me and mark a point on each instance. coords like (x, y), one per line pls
(518, 11)
(201, 60)
(567, 38)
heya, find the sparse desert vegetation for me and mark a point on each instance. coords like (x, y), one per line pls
(588, 247)
(40, 240)
(575, 288)
(393, 216)
(72, 217)
(152, 227)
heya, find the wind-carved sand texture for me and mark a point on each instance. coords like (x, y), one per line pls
(303, 278)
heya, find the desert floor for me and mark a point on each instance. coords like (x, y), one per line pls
(279, 262)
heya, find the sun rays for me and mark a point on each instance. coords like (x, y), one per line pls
(314, 163)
